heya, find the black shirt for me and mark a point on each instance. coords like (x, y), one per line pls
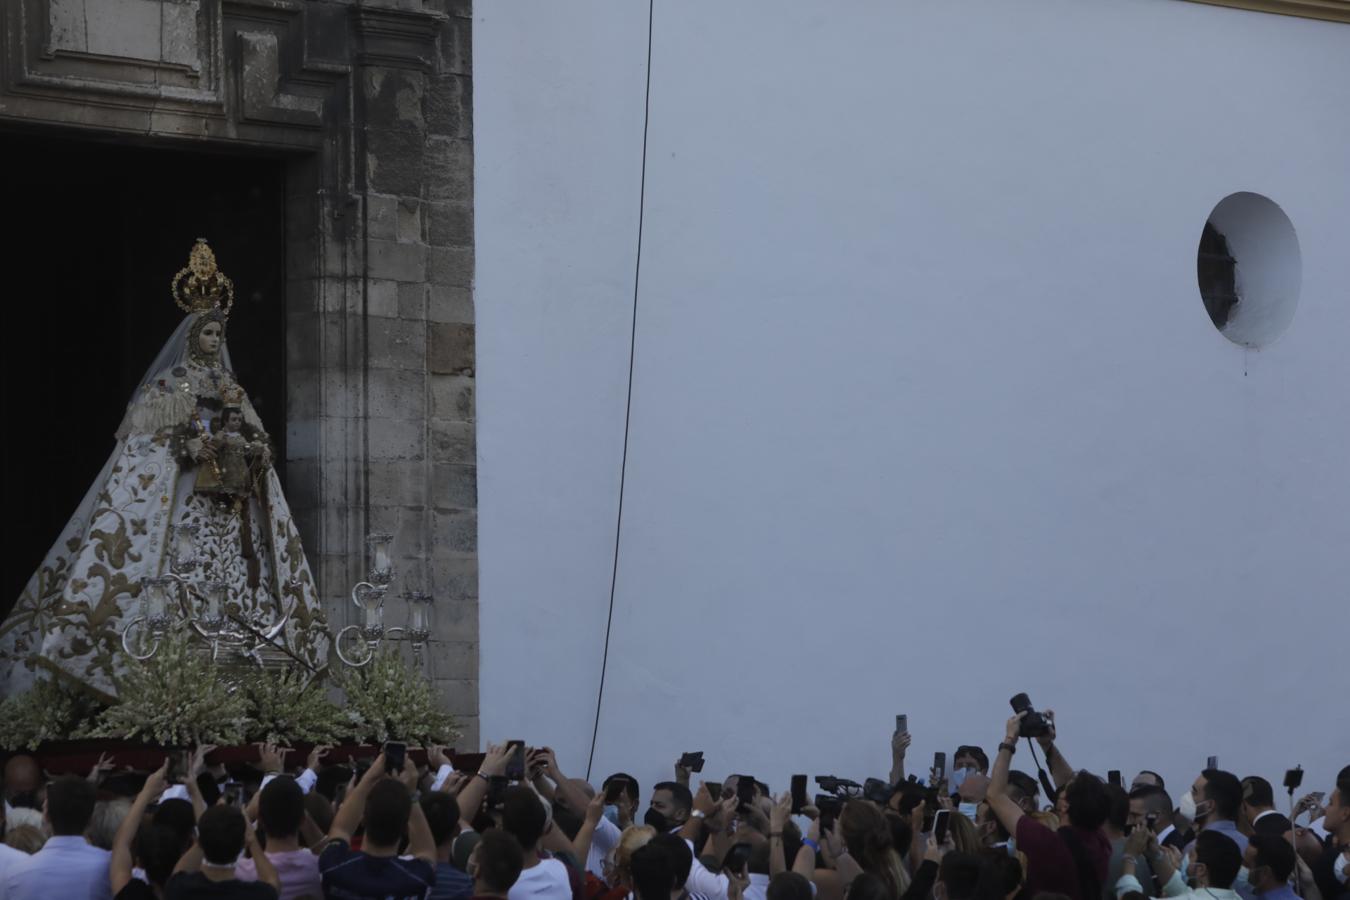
(1273, 823)
(135, 889)
(187, 885)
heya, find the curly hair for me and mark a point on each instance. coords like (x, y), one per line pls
(867, 835)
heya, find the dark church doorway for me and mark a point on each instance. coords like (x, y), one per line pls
(92, 233)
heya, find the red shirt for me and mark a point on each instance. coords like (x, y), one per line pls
(1050, 863)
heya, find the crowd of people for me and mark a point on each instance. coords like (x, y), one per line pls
(518, 828)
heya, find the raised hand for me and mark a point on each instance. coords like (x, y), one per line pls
(272, 758)
(782, 811)
(495, 760)
(595, 810)
(197, 763)
(316, 756)
(104, 764)
(436, 756)
(900, 742)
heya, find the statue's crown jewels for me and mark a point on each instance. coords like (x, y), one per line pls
(232, 396)
(201, 287)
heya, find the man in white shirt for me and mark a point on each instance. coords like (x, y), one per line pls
(67, 866)
(1214, 864)
(524, 818)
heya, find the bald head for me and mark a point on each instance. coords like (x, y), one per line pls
(22, 776)
(584, 786)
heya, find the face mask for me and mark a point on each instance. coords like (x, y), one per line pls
(612, 813)
(656, 820)
(969, 810)
(1187, 805)
(1012, 846)
(957, 778)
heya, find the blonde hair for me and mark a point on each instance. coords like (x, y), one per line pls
(963, 832)
(1048, 818)
(634, 838)
(28, 838)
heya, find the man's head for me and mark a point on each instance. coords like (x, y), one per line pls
(630, 791)
(661, 867)
(176, 814)
(1257, 797)
(496, 863)
(671, 804)
(958, 877)
(220, 832)
(1085, 802)
(158, 849)
(790, 886)
(524, 816)
(1145, 778)
(1024, 790)
(968, 756)
(1118, 809)
(442, 813)
(1147, 800)
(1269, 860)
(386, 815)
(23, 777)
(1338, 807)
(1217, 860)
(281, 807)
(1221, 796)
(70, 805)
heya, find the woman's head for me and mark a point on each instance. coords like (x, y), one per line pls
(1086, 801)
(633, 837)
(205, 338)
(867, 835)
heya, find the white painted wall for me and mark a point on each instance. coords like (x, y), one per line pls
(926, 407)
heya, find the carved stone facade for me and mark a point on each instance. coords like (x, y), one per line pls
(370, 105)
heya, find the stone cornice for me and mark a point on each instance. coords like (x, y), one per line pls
(1328, 10)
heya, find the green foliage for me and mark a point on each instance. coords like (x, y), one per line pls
(177, 697)
(389, 701)
(287, 706)
(49, 711)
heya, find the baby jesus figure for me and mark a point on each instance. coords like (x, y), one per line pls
(228, 456)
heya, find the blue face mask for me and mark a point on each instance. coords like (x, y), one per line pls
(1012, 846)
(969, 810)
(956, 779)
(612, 813)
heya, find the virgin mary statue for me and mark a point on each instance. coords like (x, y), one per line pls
(189, 500)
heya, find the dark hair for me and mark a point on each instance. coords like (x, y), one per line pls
(386, 815)
(1275, 852)
(681, 857)
(793, 886)
(1155, 798)
(331, 778)
(1089, 804)
(866, 887)
(500, 859)
(960, 875)
(523, 815)
(1162, 784)
(1022, 785)
(1118, 811)
(220, 832)
(1220, 855)
(442, 812)
(177, 815)
(158, 849)
(1225, 791)
(631, 789)
(981, 758)
(679, 794)
(758, 861)
(902, 833)
(1129, 895)
(652, 878)
(206, 784)
(1002, 874)
(320, 809)
(1343, 783)
(1256, 791)
(867, 835)
(70, 805)
(281, 807)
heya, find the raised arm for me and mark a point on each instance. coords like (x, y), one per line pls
(899, 747)
(196, 766)
(472, 794)
(1060, 770)
(267, 873)
(567, 790)
(420, 842)
(121, 864)
(349, 814)
(595, 811)
(1005, 810)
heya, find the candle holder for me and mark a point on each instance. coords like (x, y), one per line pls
(368, 596)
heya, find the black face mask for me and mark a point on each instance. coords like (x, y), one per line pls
(658, 821)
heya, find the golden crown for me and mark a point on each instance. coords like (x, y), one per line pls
(201, 287)
(232, 396)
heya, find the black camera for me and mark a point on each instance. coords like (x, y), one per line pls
(1293, 778)
(877, 791)
(840, 787)
(1034, 724)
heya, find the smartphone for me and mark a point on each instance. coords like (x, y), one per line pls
(233, 793)
(829, 806)
(1293, 778)
(1212, 762)
(737, 858)
(798, 793)
(614, 791)
(496, 792)
(1113, 777)
(940, 827)
(745, 791)
(940, 764)
(693, 762)
(515, 766)
(395, 754)
(902, 724)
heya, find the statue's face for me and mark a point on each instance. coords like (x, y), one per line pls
(234, 421)
(208, 339)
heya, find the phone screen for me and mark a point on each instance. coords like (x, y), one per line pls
(395, 753)
(1212, 762)
(940, 764)
(745, 789)
(940, 827)
(1113, 777)
(515, 766)
(902, 724)
(798, 793)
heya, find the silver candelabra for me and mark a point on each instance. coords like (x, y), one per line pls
(369, 597)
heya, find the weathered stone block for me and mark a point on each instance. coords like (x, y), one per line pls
(454, 579)
(399, 393)
(412, 301)
(452, 397)
(454, 44)
(455, 532)
(395, 161)
(453, 442)
(409, 219)
(449, 224)
(450, 266)
(449, 169)
(400, 262)
(397, 344)
(460, 696)
(450, 304)
(470, 739)
(397, 438)
(454, 486)
(382, 216)
(454, 660)
(382, 297)
(448, 106)
(450, 349)
(397, 483)
(456, 620)
(394, 99)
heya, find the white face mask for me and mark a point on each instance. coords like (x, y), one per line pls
(969, 810)
(957, 778)
(1187, 805)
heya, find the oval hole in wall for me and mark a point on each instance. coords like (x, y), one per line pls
(1249, 269)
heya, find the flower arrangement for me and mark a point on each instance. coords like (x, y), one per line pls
(389, 701)
(48, 711)
(286, 706)
(177, 697)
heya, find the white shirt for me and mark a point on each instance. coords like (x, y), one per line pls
(701, 881)
(9, 857)
(546, 881)
(603, 842)
(66, 867)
